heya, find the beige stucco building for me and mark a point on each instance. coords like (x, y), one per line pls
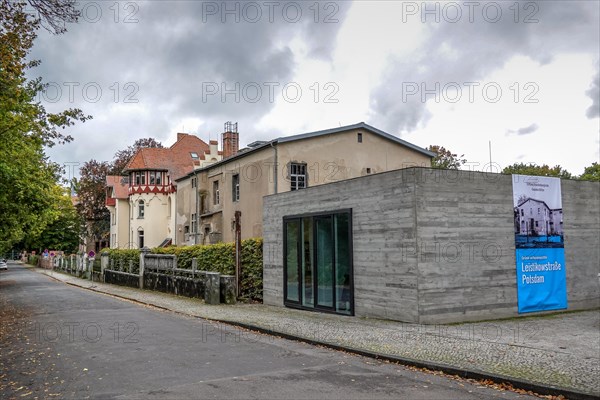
(142, 202)
(209, 198)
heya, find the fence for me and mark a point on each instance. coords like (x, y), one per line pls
(159, 272)
(74, 264)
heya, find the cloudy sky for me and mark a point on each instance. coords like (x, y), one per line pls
(523, 75)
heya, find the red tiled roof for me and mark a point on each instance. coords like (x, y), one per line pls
(175, 159)
(119, 185)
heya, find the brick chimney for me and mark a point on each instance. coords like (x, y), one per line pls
(230, 140)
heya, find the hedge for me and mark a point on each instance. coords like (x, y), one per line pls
(218, 257)
(120, 259)
(33, 260)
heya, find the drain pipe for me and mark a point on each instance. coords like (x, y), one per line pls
(274, 168)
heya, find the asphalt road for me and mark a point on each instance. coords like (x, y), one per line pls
(58, 341)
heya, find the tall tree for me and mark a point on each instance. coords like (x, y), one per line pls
(61, 234)
(445, 159)
(122, 157)
(538, 170)
(29, 194)
(591, 173)
(91, 195)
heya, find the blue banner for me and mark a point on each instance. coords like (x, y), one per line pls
(539, 244)
(541, 279)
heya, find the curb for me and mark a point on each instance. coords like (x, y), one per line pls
(447, 369)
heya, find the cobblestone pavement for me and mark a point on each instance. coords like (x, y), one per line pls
(560, 350)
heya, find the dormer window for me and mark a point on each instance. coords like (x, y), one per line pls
(194, 155)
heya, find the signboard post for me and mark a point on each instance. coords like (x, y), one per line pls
(539, 244)
(91, 258)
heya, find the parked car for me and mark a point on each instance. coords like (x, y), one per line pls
(3, 265)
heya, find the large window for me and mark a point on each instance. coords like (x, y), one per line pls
(297, 176)
(235, 187)
(152, 178)
(318, 262)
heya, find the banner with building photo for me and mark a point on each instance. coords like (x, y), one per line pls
(539, 244)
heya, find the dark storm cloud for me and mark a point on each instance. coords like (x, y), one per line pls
(464, 51)
(524, 131)
(177, 61)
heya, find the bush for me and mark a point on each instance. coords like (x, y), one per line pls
(119, 259)
(220, 258)
(33, 260)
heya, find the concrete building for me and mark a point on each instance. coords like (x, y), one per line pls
(215, 201)
(418, 245)
(146, 216)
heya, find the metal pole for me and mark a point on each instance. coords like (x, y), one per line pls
(238, 251)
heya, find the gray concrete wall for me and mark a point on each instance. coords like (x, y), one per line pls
(385, 284)
(581, 223)
(465, 230)
(435, 246)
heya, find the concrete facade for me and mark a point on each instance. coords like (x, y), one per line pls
(437, 246)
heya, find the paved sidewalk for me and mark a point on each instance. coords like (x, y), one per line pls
(559, 351)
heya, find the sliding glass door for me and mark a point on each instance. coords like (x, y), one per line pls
(318, 262)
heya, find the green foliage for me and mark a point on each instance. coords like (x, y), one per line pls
(445, 159)
(33, 260)
(537, 170)
(60, 234)
(252, 269)
(91, 194)
(29, 191)
(119, 259)
(591, 173)
(220, 258)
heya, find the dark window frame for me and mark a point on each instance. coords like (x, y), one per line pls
(235, 187)
(295, 170)
(216, 193)
(316, 307)
(141, 209)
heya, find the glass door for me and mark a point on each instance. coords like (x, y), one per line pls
(324, 261)
(318, 262)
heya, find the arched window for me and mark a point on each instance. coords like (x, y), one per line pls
(141, 209)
